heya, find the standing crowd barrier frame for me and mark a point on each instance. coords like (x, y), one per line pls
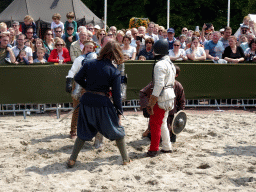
(30, 88)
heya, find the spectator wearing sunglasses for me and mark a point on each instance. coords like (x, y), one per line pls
(70, 38)
(184, 31)
(60, 54)
(177, 54)
(147, 53)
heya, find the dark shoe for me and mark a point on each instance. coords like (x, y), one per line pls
(163, 151)
(152, 153)
(173, 138)
(71, 163)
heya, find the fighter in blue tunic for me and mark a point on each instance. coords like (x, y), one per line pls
(97, 113)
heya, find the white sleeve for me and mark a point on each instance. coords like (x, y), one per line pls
(159, 77)
(29, 52)
(75, 67)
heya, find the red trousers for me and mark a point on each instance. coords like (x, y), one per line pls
(155, 123)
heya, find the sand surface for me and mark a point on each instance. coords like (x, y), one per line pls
(216, 152)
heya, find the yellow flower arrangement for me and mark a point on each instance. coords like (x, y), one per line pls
(137, 22)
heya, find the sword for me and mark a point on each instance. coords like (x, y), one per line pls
(70, 112)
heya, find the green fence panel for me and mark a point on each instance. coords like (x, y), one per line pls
(46, 83)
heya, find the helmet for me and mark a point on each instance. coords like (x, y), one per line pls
(161, 47)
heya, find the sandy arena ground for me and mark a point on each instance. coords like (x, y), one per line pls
(216, 152)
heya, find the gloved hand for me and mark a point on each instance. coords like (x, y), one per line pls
(151, 103)
(69, 84)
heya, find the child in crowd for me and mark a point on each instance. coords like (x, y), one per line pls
(29, 22)
(21, 58)
(183, 41)
(243, 41)
(70, 19)
(56, 22)
(40, 55)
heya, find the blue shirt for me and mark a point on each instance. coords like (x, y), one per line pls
(215, 49)
(171, 43)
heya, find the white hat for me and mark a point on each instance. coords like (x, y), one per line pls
(128, 32)
(96, 27)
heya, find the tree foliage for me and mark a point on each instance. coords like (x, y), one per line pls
(183, 13)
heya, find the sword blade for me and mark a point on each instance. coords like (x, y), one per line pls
(70, 112)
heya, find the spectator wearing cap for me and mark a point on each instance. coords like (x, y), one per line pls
(227, 34)
(244, 29)
(222, 32)
(94, 37)
(70, 38)
(16, 27)
(77, 46)
(170, 37)
(150, 33)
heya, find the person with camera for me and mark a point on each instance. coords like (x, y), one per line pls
(250, 53)
(162, 99)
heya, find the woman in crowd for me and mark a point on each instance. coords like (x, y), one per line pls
(250, 53)
(97, 113)
(195, 52)
(48, 41)
(177, 53)
(100, 34)
(119, 37)
(233, 53)
(147, 53)
(39, 43)
(60, 54)
(128, 49)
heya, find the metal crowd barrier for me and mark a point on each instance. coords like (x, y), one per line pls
(27, 109)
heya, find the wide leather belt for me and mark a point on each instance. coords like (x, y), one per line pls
(96, 92)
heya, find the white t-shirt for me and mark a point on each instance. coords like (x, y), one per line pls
(130, 51)
(181, 52)
(200, 51)
(28, 50)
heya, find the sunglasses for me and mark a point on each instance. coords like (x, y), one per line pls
(103, 34)
(176, 45)
(160, 30)
(59, 44)
(91, 29)
(149, 42)
(184, 30)
(57, 31)
(49, 33)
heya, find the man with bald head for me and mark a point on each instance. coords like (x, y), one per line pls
(214, 48)
(77, 46)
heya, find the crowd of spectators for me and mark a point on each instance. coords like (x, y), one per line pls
(65, 41)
